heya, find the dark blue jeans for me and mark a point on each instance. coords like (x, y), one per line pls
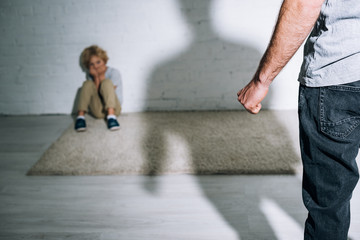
(329, 139)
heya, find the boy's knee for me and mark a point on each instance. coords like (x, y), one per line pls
(88, 85)
(106, 85)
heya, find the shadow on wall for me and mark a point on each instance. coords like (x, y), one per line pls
(207, 75)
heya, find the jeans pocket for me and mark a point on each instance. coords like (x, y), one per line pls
(339, 110)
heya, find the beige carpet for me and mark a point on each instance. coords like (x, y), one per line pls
(225, 142)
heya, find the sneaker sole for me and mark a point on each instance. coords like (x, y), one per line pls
(81, 129)
(114, 128)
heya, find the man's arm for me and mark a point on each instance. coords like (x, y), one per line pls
(295, 21)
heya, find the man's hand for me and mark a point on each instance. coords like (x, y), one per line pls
(252, 95)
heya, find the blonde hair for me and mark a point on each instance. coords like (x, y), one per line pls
(93, 50)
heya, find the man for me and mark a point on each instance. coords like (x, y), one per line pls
(329, 104)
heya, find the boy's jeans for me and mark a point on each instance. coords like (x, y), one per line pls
(330, 139)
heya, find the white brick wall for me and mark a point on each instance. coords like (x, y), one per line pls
(173, 54)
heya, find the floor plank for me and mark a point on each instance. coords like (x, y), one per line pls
(137, 207)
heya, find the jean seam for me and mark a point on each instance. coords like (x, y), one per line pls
(345, 88)
(307, 203)
(324, 125)
(343, 134)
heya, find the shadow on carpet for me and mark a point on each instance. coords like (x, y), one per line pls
(155, 143)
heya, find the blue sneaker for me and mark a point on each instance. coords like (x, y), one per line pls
(113, 124)
(80, 125)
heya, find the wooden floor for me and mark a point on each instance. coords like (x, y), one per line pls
(174, 207)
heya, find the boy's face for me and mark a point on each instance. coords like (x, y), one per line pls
(97, 65)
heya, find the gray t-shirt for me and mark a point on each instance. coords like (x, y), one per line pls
(115, 76)
(332, 51)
